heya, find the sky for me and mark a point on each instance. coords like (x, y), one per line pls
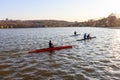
(69, 10)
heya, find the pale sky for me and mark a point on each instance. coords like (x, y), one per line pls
(69, 10)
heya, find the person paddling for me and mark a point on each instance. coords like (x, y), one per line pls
(50, 44)
(88, 36)
(85, 36)
(75, 33)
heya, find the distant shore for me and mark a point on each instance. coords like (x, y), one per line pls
(115, 27)
(65, 26)
(111, 27)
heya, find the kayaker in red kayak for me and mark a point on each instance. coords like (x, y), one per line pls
(51, 44)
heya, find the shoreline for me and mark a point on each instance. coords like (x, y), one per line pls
(59, 27)
(115, 27)
(110, 27)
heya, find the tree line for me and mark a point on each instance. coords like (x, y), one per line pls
(111, 21)
(33, 23)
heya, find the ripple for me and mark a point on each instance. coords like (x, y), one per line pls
(114, 66)
(89, 69)
(45, 73)
(6, 72)
(105, 61)
(55, 65)
(102, 50)
(27, 70)
(116, 74)
(81, 77)
(5, 65)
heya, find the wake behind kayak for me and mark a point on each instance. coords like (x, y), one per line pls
(49, 49)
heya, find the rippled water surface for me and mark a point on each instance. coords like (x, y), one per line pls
(95, 59)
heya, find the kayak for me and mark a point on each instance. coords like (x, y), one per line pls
(86, 39)
(75, 35)
(49, 49)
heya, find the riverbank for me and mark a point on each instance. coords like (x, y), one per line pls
(115, 27)
(109, 27)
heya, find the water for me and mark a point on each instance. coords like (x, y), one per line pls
(95, 59)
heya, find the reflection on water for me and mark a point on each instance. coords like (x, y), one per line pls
(95, 59)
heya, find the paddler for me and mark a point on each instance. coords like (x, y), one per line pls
(88, 36)
(50, 44)
(85, 36)
(75, 33)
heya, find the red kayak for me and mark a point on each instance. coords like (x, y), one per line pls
(49, 49)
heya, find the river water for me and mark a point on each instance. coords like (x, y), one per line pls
(95, 59)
